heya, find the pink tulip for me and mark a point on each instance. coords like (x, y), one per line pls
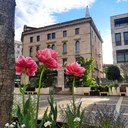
(26, 65)
(49, 58)
(75, 69)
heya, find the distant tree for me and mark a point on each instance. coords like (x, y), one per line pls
(124, 71)
(113, 73)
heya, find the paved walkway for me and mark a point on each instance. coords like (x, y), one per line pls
(119, 103)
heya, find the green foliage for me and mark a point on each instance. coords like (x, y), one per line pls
(89, 66)
(104, 88)
(86, 80)
(52, 115)
(48, 78)
(69, 114)
(27, 115)
(95, 87)
(113, 73)
(113, 85)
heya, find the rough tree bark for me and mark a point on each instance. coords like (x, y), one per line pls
(7, 60)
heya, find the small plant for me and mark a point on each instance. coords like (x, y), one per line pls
(105, 116)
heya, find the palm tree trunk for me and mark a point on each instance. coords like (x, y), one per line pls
(7, 60)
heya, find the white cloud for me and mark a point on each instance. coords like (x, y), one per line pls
(107, 49)
(38, 13)
(122, 0)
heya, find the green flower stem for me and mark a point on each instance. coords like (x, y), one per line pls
(24, 88)
(38, 93)
(73, 98)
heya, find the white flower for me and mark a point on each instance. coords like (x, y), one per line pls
(14, 123)
(48, 123)
(11, 126)
(7, 124)
(23, 126)
(77, 119)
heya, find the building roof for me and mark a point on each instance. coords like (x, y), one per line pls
(30, 30)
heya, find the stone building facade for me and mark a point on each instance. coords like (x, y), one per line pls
(70, 39)
(119, 33)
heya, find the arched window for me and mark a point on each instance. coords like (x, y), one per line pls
(64, 47)
(77, 47)
(53, 47)
(30, 51)
(48, 46)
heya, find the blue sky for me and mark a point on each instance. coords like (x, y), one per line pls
(46, 12)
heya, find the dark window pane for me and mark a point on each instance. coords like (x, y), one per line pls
(77, 31)
(64, 61)
(48, 36)
(30, 52)
(53, 36)
(121, 22)
(38, 38)
(126, 37)
(53, 47)
(31, 39)
(64, 48)
(122, 56)
(118, 38)
(64, 33)
(77, 46)
(48, 46)
(37, 48)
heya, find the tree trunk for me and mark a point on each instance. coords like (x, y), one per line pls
(7, 60)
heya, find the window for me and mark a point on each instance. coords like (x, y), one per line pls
(77, 59)
(31, 39)
(77, 31)
(30, 51)
(53, 47)
(53, 36)
(48, 46)
(118, 39)
(49, 36)
(125, 37)
(121, 22)
(64, 61)
(18, 46)
(37, 48)
(77, 47)
(122, 56)
(64, 33)
(38, 38)
(64, 47)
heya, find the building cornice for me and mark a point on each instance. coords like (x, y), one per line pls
(30, 30)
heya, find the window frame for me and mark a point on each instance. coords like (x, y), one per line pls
(30, 51)
(31, 39)
(77, 31)
(48, 36)
(38, 38)
(77, 47)
(122, 53)
(125, 41)
(118, 41)
(64, 47)
(65, 33)
(53, 35)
